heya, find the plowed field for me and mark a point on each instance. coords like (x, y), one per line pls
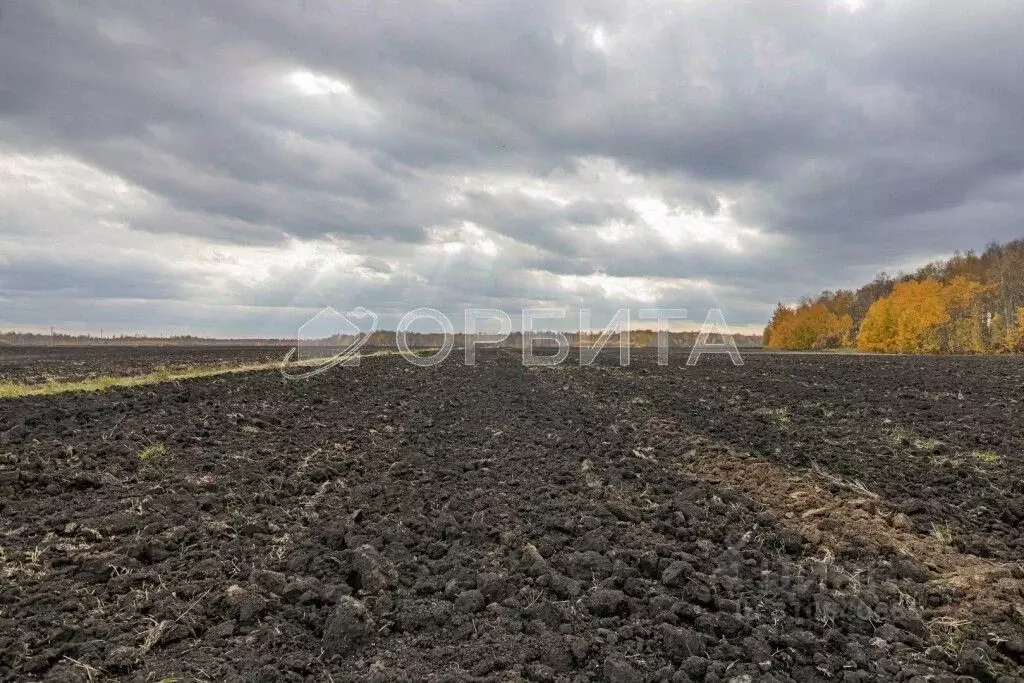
(803, 517)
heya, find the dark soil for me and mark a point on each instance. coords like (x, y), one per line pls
(940, 437)
(389, 522)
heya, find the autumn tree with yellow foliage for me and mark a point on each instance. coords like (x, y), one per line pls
(926, 317)
(811, 326)
(968, 304)
(1017, 344)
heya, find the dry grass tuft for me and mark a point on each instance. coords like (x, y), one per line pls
(990, 457)
(153, 451)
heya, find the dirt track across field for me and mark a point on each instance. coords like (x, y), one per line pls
(798, 518)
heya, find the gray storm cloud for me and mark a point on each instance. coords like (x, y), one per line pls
(251, 161)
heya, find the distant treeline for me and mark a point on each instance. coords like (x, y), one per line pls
(966, 304)
(59, 339)
(384, 338)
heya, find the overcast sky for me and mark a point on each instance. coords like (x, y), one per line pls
(229, 167)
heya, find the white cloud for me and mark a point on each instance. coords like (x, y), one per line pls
(309, 83)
